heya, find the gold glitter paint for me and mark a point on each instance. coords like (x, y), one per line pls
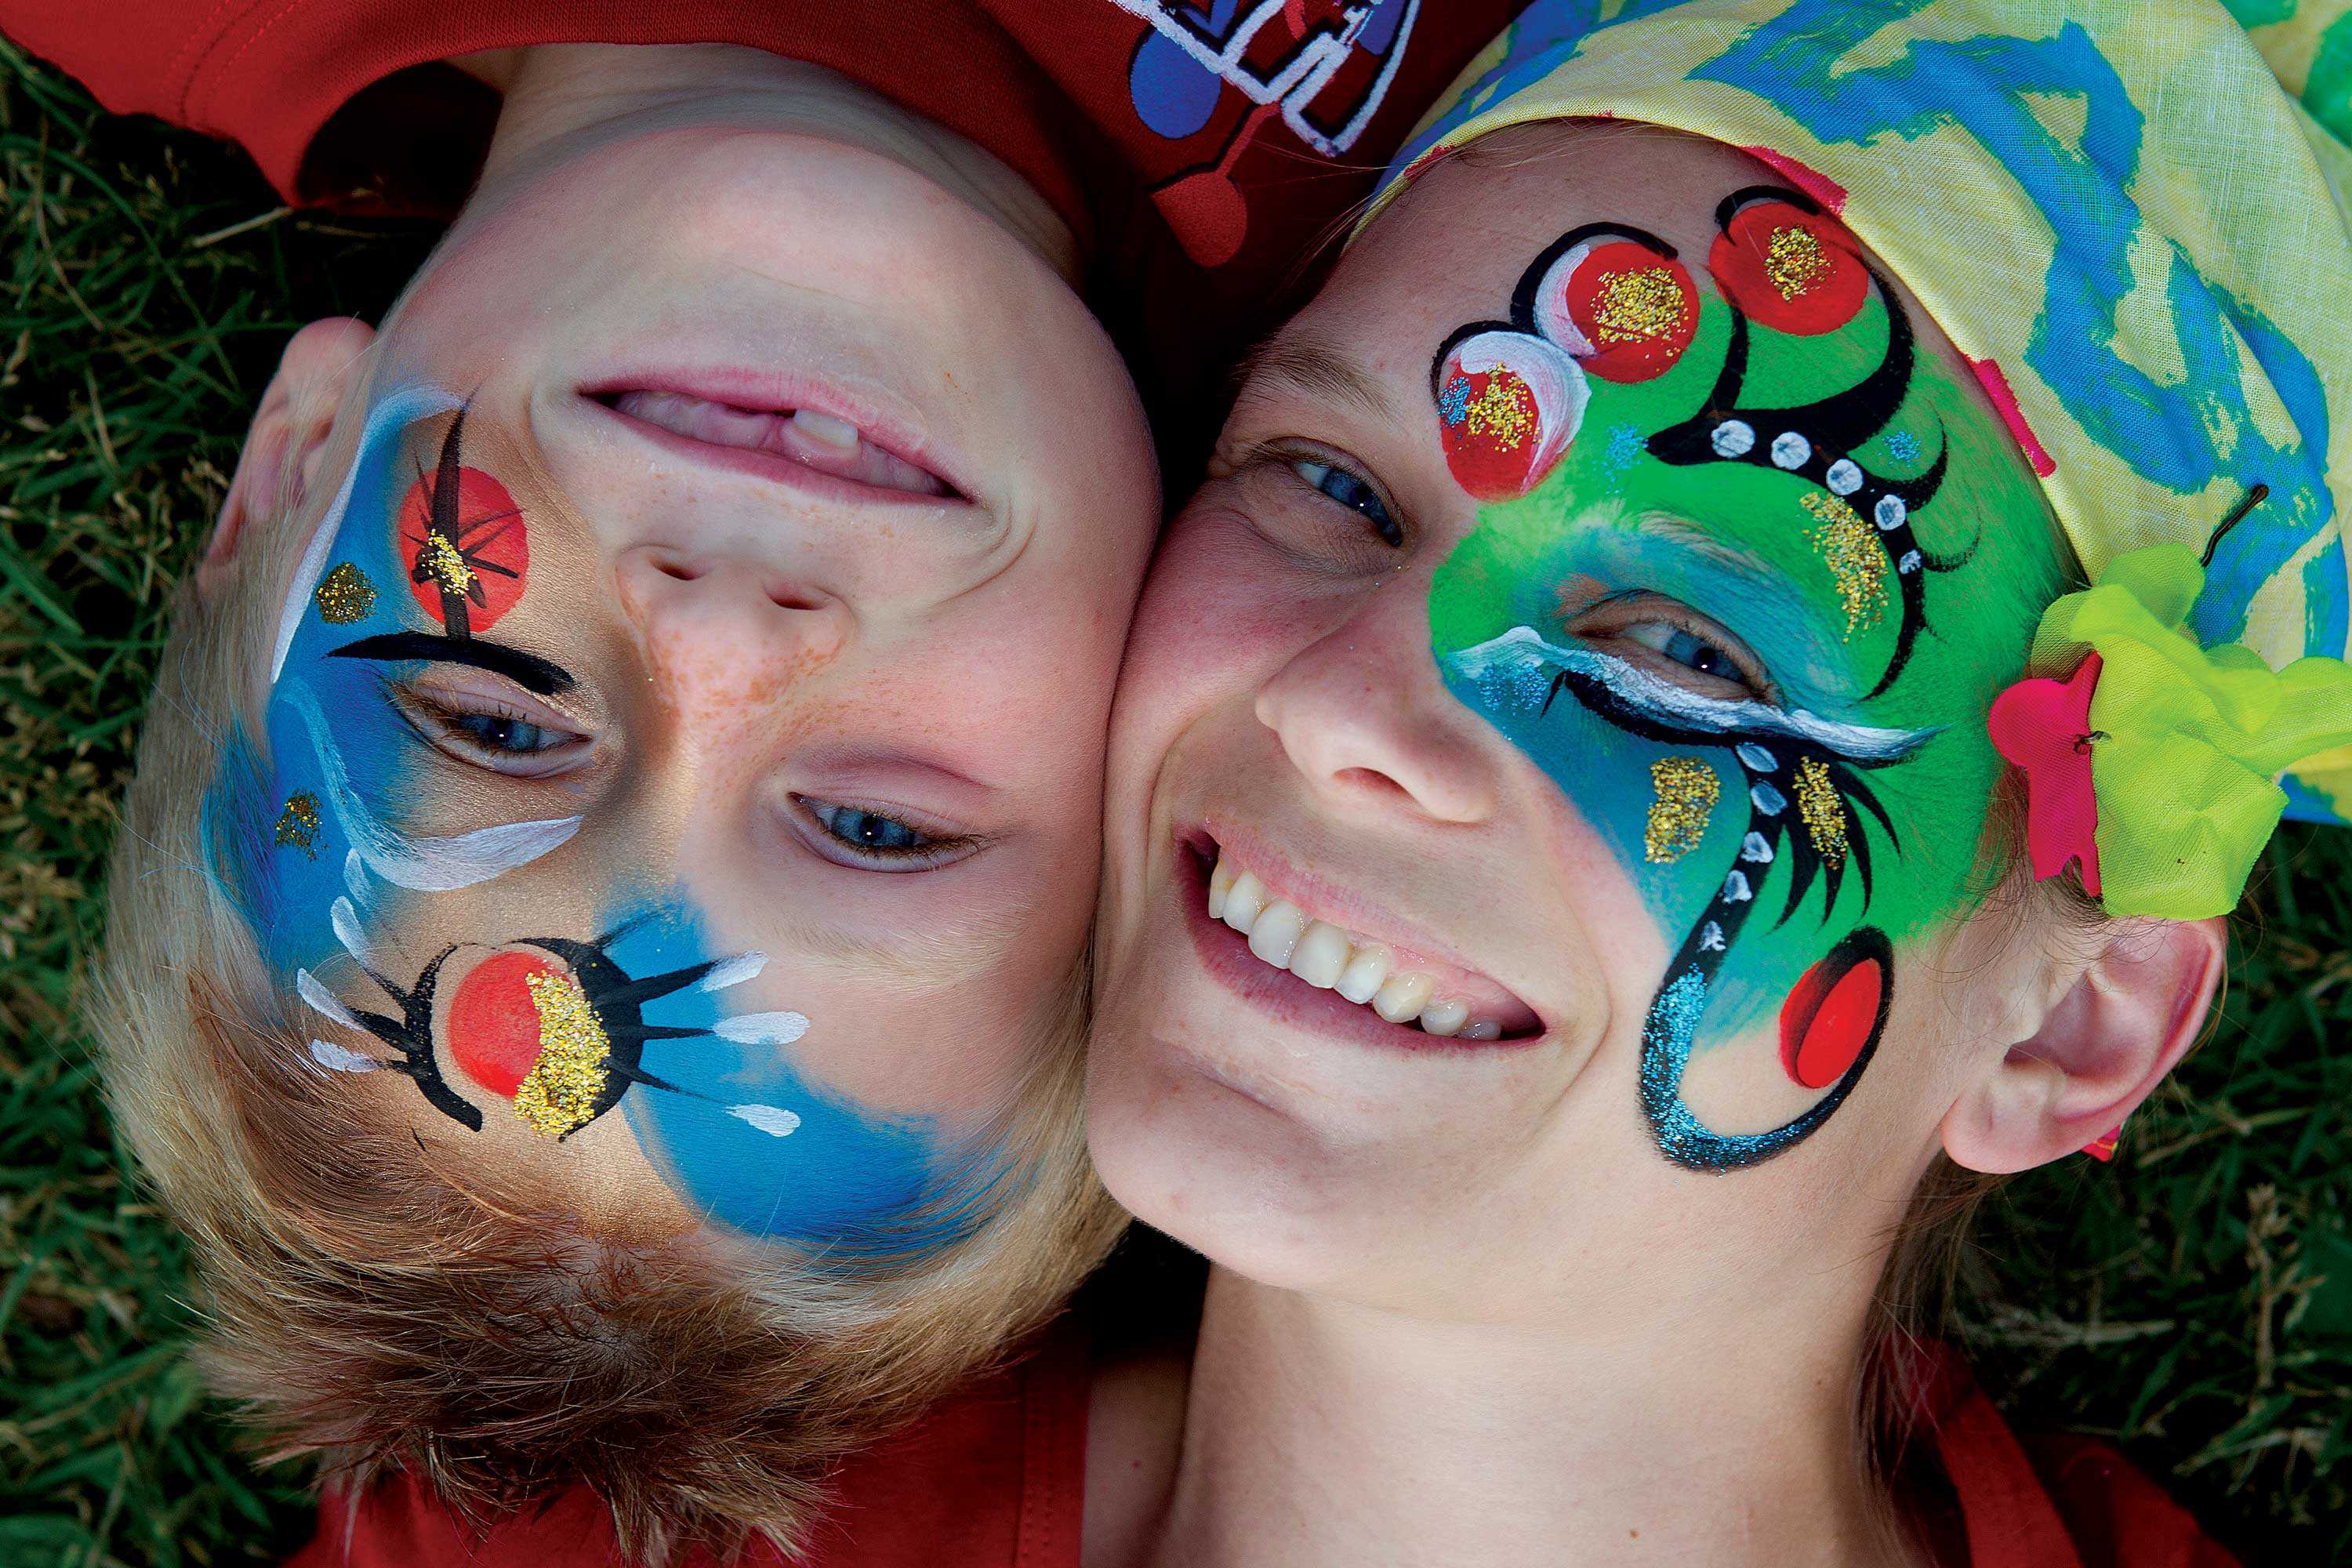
(344, 595)
(298, 825)
(1823, 811)
(559, 1092)
(1687, 789)
(1637, 307)
(1794, 260)
(1850, 549)
(448, 567)
(1506, 410)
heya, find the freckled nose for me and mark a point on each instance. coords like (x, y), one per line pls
(723, 634)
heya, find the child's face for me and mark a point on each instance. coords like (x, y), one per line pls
(1593, 613)
(660, 782)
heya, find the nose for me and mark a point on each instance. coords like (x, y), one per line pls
(1361, 712)
(725, 632)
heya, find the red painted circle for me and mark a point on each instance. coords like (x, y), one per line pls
(1818, 294)
(1492, 442)
(486, 528)
(1828, 1019)
(1631, 345)
(493, 1026)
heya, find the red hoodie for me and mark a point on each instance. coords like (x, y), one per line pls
(996, 1479)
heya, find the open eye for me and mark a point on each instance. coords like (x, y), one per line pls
(1353, 492)
(874, 840)
(1676, 642)
(1684, 648)
(498, 731)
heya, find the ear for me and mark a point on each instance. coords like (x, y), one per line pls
(319, 366)
(2099, 1050)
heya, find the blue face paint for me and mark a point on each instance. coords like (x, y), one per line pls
(313, 842)
(751, 1142)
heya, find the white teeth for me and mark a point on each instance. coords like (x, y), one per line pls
(1221, 882)
(1277, 929)
(1400, 997)
(1320, 955)
(824, 427)
(1243, 901)
(1364, 973)
(1330, 959)
(1444, 1018)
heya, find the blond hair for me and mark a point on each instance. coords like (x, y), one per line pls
(376, 1312)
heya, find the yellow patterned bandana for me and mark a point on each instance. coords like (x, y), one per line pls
(2126, 213)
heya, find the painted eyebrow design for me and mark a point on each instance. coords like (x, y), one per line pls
(527, 670)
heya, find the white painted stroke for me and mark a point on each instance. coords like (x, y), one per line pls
(345, 918)
(733, 971)
(1519, 664)
(770, 1119)
(425, 865)
(355, 876)
(401, 408)
(761, 1028)
(323, 1002)
(339, 1058)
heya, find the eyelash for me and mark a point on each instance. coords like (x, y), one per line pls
(442, 724)
(935, 850)
(1649, 609)
(1291, 460)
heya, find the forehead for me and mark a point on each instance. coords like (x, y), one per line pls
(1449, 248)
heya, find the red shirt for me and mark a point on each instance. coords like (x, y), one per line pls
(996, 1479)
(1201, 149)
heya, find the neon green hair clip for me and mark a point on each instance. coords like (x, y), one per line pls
(2153, 765)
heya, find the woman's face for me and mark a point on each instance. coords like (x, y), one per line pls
(692, 705)
(1581, 654)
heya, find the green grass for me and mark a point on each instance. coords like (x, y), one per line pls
(2193, 1302)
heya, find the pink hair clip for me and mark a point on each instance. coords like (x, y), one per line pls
(2044, 726)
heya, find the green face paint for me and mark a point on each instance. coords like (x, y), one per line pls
(1775, 454)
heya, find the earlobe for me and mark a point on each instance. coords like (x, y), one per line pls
(319, 367)
(2096, 1053)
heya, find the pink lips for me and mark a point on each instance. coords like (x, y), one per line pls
(765, 426)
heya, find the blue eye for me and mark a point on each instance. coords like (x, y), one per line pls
(1353, 493)
(1686, 648)
(864, 829)
(497, 733)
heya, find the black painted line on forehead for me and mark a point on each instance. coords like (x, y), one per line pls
(527, 670)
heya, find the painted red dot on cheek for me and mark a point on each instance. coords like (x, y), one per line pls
(478, 549)
(1829, 1018)
(494, 1033)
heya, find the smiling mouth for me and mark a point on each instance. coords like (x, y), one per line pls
(1275, 950)
(823, 442)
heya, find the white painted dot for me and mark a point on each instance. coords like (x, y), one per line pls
(1843, 477)
(1757, 757)
(1736, 889)
(1734, 438)
(1910, 561)
(1790, 450)
(1890, 513)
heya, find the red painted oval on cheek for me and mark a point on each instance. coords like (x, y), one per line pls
(1828, 1019)
(493, 1024)
(483, 556)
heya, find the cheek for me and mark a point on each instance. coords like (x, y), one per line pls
(1215, 620)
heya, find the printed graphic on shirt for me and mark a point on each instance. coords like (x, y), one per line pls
(1322, 66)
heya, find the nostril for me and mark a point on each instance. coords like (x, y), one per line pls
(678, 569)
(785, 597)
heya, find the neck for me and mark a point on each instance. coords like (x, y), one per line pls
(1321, 1432)
(562, 98)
